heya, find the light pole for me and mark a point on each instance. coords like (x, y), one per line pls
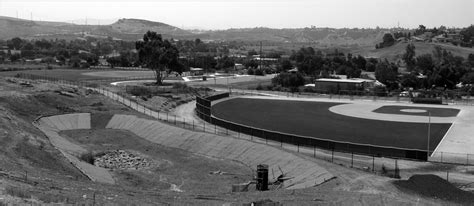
(429, 131)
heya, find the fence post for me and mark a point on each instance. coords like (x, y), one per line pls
(441, 157)
(167, 117)
(193, 124)
(215, 128)
(174, 119)
(352, 159)
(204, 127)
(373, 163)
(467, 159)
(298, 147)
(332, 155)
(184, 123)
(265, 137)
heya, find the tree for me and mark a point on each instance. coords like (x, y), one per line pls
(291, 80)
(113, 61)
(359, 62)
(252, 52)
(353, 73)
(467, 34)
(16, 43)
(470, 60)
(225, 63)
(409, 56)
(15, 57)
(388, 40)
(158, 55)
(410, 80)
(285, 65)
(75, 61)
(386, 73)
(468, 78)
(424, 63)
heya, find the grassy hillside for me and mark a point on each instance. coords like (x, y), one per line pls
(396, 51)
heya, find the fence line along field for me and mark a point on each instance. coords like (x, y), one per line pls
(383, 129)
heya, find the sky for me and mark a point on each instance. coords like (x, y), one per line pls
(214, 14)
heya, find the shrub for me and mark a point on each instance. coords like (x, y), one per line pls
(259, 72)
(138, 91)
(17, 192)
(87, 157)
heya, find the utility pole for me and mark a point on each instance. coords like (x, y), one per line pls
(260, 58)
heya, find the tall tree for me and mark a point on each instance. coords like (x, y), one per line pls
(158, 54)
(409, 56)
(387, 74)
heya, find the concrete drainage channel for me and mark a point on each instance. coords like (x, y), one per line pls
(51, 126)
(304, 173)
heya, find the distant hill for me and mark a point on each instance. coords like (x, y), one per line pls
(133, 29)
(318, 36)
(126, 29)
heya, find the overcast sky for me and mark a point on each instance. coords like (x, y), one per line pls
(213, 14)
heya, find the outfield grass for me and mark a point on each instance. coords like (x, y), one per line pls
(313, 119)
(434, 112)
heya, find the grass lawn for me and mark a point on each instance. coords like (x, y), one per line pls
(313, 119)
(435, 112)
(82, 74)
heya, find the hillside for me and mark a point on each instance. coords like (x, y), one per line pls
(396, 51)
(317, 36)
(127, 29)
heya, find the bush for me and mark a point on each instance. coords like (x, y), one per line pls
(87, 157)
(17, 192)
(289, 79)
(259, 72)
(250, 72)
(179, 85)
(138, 91)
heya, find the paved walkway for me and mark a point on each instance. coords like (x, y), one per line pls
(51, 126)
(305, 172)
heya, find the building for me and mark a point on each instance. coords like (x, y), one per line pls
(196, 71)
(337, 85)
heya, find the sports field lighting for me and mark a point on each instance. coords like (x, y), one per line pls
(429, 131)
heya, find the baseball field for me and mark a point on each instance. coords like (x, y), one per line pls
(315, 120)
